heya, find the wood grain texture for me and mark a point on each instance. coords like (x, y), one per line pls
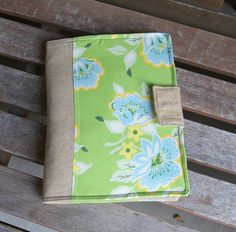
(71, 218)
(211, 146)
(23, 42)
(183, 13)
(210, 198)
(191, 46)
(207, 96)
(22, 137)
(204, 144)
(21, 89)
(208, 4)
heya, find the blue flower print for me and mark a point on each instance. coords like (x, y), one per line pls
(132, 109)
(86, 73)
(157, 48)
(156, 165)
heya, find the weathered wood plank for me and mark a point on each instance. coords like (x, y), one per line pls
(26, 203)
(212, 146)
(22, 137)
(208, 145)
(24, 42)
(207, 96)
(183, 13)
(191, 46)
(210, 198)
(21, 89)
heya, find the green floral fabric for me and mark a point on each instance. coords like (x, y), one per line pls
(121, 153)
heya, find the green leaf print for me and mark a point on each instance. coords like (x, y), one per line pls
(129, 72)
(99, 118)
(88, 45)
(84, 149)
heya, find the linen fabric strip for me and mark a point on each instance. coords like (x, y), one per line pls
(57, 183)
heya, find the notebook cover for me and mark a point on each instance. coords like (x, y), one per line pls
(119, 151)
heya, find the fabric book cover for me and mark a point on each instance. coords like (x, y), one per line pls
(101, 111)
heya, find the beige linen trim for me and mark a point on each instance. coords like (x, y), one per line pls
(167, 102)
(60, 121)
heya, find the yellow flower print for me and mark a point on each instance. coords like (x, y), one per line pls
(114, 36)
(135, 132)
(127, 150)
(76, 168)
(77, 132)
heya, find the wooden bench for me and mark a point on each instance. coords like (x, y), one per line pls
(206, 72)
